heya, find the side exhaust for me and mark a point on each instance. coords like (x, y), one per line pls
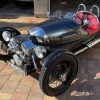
(87, 46)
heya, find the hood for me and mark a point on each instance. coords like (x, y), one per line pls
(56, 31)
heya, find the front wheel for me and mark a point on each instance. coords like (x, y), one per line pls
(3, 43)
(58, 72)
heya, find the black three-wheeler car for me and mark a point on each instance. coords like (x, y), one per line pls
(50, 48)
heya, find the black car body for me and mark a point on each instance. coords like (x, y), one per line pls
(51, 48)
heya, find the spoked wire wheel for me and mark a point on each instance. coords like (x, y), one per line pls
(57, 73)
(59, 76)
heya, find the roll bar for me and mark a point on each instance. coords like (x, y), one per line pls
(81, 5)
(98, 10)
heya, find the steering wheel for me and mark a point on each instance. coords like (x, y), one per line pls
(88, 21)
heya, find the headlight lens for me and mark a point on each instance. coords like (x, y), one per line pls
(40, 51)
(6, 36)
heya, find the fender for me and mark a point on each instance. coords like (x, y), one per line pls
(55, 53)
(12, 30)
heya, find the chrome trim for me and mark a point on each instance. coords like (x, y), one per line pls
(36, 62)
(39, 32)
(93, 43)
(11, 63)
(28, 45)
(81, 50)
(88, 45)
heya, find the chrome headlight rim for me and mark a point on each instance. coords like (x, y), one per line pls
(40, 51)
(6, 35)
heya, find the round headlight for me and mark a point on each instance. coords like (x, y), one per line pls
(6, 35)
(40, 51)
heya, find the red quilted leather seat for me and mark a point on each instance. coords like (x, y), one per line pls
(93, 26)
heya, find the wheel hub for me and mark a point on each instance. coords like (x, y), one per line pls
(59, 75)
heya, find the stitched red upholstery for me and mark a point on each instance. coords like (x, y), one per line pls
(93, 26)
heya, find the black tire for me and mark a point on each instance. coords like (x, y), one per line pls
(4, 47)
(13, 31)
(49, 66)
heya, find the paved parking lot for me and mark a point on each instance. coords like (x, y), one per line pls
(16, 86)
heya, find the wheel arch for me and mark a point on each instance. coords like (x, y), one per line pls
(14, 32)
(9, 29)
(57, 52)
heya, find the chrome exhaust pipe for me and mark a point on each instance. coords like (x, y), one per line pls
(80, 50)
(93, 43)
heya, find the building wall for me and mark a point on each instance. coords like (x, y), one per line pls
(42, 8)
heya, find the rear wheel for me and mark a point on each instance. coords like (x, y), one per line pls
(58, 73)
